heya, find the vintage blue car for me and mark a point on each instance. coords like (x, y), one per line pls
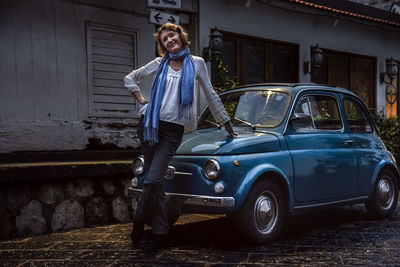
(300, 147)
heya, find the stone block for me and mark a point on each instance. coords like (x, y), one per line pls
(125, 183)
(67, 215)
(18, 195)
(80, 189)
(108, 186)
(50, 193)
(120, 210)
(96, 211)
(30, 220)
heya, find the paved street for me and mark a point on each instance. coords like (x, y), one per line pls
(340, 236)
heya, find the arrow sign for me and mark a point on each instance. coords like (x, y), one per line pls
(159, 18)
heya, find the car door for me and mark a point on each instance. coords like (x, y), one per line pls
(324, 163)
(367, 145)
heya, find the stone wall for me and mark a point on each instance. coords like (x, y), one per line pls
(37, 207)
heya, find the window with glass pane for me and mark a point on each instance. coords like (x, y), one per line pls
(362, 80)
(392, 97)
(325, 112)
(228, 57)
(303, 109)
(357, 119)
(284, 66)
(350, 71)
(253, 63)
(341, 72)
(254, 60)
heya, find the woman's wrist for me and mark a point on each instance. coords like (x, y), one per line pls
(139, 97)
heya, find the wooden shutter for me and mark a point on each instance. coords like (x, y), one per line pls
(111, 55)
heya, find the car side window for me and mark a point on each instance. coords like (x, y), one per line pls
(357, 119)
(323, 110)
(303, 111)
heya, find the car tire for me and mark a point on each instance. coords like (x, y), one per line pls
(263, 214)
(384, 199)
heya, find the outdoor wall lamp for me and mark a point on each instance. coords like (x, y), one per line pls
(391, 71)
(317, 56)
(214, 45)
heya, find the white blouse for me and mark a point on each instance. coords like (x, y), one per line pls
(170, 104)
(132, 82)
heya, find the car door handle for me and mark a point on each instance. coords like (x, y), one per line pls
(348, 142)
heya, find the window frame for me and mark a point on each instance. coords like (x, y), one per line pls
(364, 110)
(353, 59)
(269, 45)
(315, 129)
(390, 109)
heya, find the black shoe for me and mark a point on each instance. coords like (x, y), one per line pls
(157, 242)
(137, 233)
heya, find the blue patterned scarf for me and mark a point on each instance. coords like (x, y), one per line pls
(186, 91)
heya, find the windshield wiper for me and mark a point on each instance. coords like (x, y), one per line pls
(245, 122)
(213, 123)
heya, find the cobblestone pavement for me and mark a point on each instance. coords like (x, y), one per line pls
(340, 236)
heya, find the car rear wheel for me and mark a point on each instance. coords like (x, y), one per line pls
(263, 213)
(384, 199)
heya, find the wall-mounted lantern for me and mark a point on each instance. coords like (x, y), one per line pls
(215, 45)
(317, 56)
(391, 71)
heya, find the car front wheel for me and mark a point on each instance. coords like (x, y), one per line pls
(263, 214)
(384, 199)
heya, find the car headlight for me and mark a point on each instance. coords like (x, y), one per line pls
(211, 169)
(138, 165)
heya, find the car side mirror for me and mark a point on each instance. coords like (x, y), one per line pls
(301, 121)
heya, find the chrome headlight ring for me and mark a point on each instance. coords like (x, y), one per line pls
(212, 169)
(138, 166)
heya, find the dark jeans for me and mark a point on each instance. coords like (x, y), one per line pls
(152, 203)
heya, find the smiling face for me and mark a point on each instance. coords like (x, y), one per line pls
(164, 46)
(171, 41)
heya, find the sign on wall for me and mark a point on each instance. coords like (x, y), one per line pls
(168, 4)
(161, 17)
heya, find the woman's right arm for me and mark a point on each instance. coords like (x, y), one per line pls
(133, 79)
(140, 98)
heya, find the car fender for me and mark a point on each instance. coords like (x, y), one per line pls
(384, 163)
(256, 173)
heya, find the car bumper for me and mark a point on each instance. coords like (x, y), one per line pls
(188, 199)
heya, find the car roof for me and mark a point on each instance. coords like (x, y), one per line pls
(294, 88)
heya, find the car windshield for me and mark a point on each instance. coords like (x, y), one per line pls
(255, 108)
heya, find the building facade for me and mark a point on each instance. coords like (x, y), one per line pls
(64, 60)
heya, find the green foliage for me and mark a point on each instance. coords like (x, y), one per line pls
(351, 112)
(221, 80)
(323, 115)
(389, 132)
(230, 108)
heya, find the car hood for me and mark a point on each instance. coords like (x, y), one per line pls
(216, 141)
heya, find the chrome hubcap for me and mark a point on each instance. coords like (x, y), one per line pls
(385, 193)
(266, 212)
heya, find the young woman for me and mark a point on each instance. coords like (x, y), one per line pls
(170, 111)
